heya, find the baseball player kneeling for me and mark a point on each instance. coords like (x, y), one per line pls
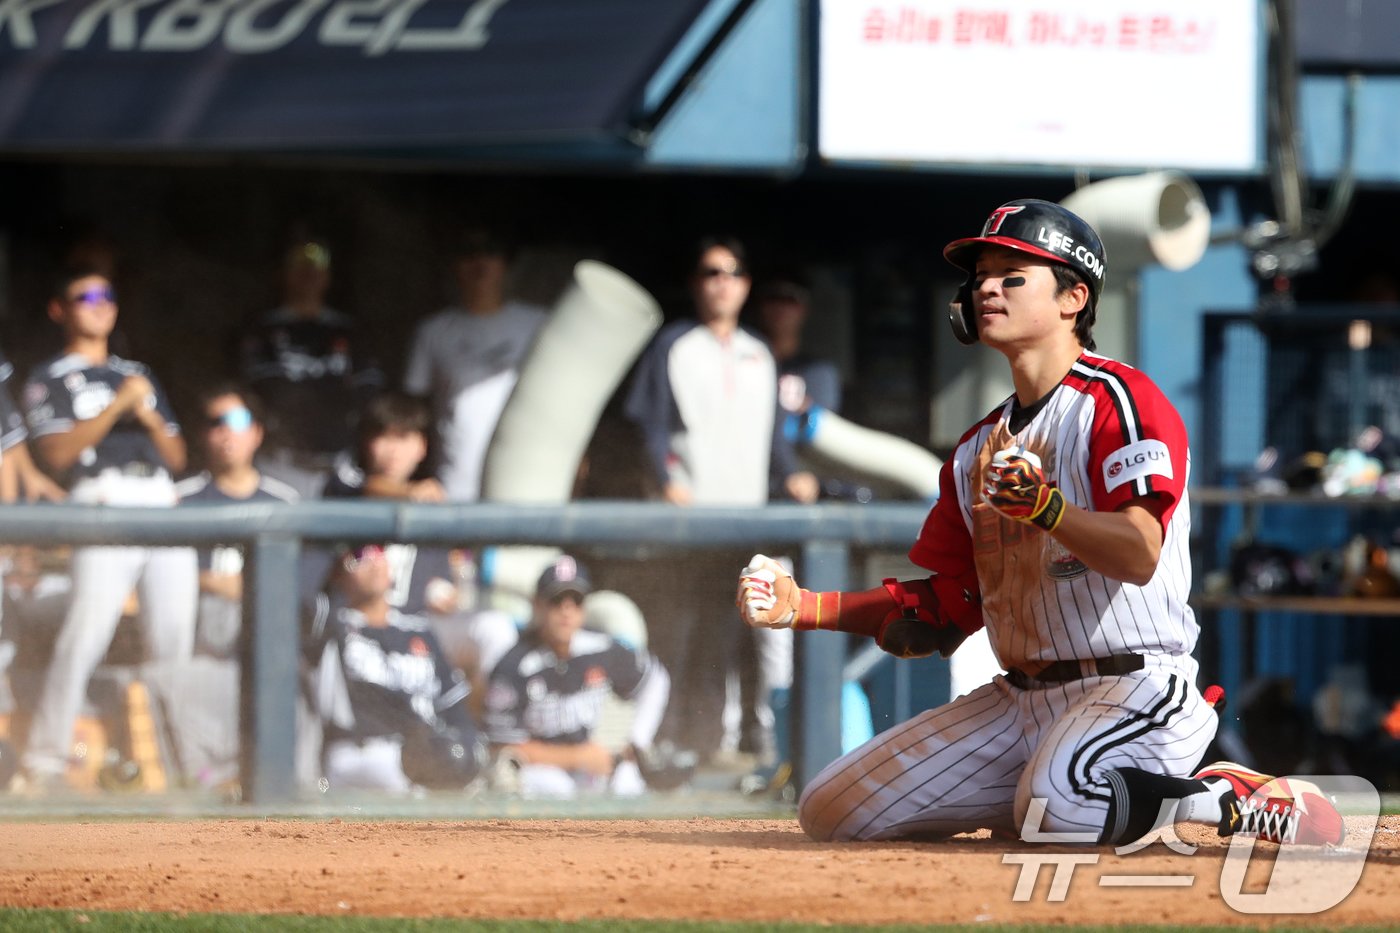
(546, 699)
(1063, 527)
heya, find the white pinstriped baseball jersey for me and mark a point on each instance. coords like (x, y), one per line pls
(1105, 435)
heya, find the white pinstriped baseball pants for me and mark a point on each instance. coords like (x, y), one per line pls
(979, 761)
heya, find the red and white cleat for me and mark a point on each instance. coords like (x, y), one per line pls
(1283, 810)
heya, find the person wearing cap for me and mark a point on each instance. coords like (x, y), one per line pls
(393, 708)
(466, 358)
(546, 696)
(1063, 528)
(305, 361)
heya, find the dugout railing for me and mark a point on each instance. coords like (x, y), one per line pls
(822, 538)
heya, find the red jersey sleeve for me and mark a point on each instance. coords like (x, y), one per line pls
(944, 544)
(1139, 445)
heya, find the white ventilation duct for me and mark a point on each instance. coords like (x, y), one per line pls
(871, 455)
(1159, 218)
(599, 326)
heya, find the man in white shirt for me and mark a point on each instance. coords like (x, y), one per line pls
(466, 359)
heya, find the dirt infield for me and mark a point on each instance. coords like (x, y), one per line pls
(758, 870)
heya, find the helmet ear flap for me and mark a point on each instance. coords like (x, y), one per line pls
(961, 316)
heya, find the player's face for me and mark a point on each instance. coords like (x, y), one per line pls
(560, 618)
(365, 573)
(88, 308)
(481, 277)
(396, 454)
(720, 285)
(782, 318)
(231, 436)
(1014, 297)
(307, 274)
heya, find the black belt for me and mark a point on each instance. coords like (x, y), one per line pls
(1062, 671)
(133, 468)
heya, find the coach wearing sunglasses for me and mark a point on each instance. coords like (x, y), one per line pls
(705, 397)
(103, 426)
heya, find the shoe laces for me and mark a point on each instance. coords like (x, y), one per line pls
(1268, 819)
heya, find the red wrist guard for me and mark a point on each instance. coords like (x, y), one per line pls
(818, 610)
(936, 600)
(867, 612)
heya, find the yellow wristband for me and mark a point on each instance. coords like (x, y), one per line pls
(1051, 512)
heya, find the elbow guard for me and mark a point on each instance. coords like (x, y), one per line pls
(926, 609)
(936, 600)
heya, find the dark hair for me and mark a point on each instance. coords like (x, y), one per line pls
(1066, 278)
(393, 411)
(731, 243)
(785, 290)
(482, 241)
(218, 390)
(70, 274)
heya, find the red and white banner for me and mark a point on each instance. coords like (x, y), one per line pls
(1082, 83)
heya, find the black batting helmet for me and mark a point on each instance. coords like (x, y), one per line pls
(1041, 228)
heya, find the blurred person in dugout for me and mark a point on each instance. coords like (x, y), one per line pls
(202, 696)
(466, 358)
(305, 361)
(705, 399)
(781, 309)
(783, 305)
(390, 452)
(393, 708)
(20, 477)
(104, 427)
(546, 704)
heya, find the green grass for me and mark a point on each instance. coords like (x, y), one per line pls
(54, 921)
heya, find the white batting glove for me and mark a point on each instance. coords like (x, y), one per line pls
(768, 596)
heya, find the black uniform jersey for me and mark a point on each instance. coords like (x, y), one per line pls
(69, 388)
(412, 567)
(536, 695)
(312, 377)
(11, 420)
(382, 680)
(221, 619)
(202, 490)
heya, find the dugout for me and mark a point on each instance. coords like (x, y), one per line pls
(217, 131)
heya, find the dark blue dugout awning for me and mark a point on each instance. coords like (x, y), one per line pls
(326, 75)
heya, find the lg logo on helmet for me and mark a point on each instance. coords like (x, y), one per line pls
(999, 216)
(1056, 241)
